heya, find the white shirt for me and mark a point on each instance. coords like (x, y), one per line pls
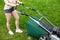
(10, 1)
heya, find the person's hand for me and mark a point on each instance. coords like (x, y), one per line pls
(17, 4)
(21, 3)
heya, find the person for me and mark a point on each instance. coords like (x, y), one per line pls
(10, 11)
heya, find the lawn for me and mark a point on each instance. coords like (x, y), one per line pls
(49, 8)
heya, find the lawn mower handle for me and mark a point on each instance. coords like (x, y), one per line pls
(33, 9)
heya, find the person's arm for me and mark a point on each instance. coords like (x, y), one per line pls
(10, 4)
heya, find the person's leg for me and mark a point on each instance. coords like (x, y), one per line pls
(8, 18)
(14, 13)
(16, 19)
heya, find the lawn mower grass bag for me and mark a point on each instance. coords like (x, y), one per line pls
(35, 30)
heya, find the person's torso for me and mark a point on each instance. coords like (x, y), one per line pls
(10, 1)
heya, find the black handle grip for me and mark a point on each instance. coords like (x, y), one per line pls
(23, 13)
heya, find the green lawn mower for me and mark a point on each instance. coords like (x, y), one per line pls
(39, 29)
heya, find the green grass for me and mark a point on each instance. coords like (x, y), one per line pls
(49, 8)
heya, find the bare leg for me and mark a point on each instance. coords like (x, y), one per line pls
(8, 17)
(14, 13)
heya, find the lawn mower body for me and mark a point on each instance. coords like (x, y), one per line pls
(36, 29)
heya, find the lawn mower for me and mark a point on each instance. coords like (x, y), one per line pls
(36, 27)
